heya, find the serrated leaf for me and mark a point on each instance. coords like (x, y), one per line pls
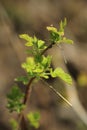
(58, 72)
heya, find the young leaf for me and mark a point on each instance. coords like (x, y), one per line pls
(44, 75)
(41, 44)
(52, 29)
(63, 24)
(58, 72)
(34, 118)
(23, 79)
(46, 61)
(68, 41)
(14, 100)
(27, 38)
(29, 65)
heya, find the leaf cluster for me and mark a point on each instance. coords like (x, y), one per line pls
(39, 66)
(57, 36)
(14, 100)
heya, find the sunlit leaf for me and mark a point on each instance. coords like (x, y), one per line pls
(68, 41)
(58, 72)
(52, 29)
(46, 61)
(29, 65)
(63, 24)
(27, 38)
(41, 44)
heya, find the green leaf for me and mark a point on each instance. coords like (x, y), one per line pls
(15, 93)
(29, 65)
(56, 35)
(23, 79)
(46, 61)
(38, 58)
(63, 24)
(41, 44)
(27, 38)
(52, 29)
(14, 124)
(44, 75)
(29, 43)
(68, 41)
(14, 100)
(58, 72)
(34, 118)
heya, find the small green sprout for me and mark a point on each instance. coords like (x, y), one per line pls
(14, 100)
(34, 118)
(57, 36)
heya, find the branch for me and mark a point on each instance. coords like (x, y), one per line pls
(49, 46)
(27, 92)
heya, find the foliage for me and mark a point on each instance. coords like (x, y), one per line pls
(14, 124)
(14, 100)
(34, 118)
(37, 66)
(58, 72)
(57, 36)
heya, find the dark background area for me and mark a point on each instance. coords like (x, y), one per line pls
(32, 17)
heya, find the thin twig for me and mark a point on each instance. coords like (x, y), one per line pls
(22, 121)
(53, 89)
(27, 92)
(49, 46)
